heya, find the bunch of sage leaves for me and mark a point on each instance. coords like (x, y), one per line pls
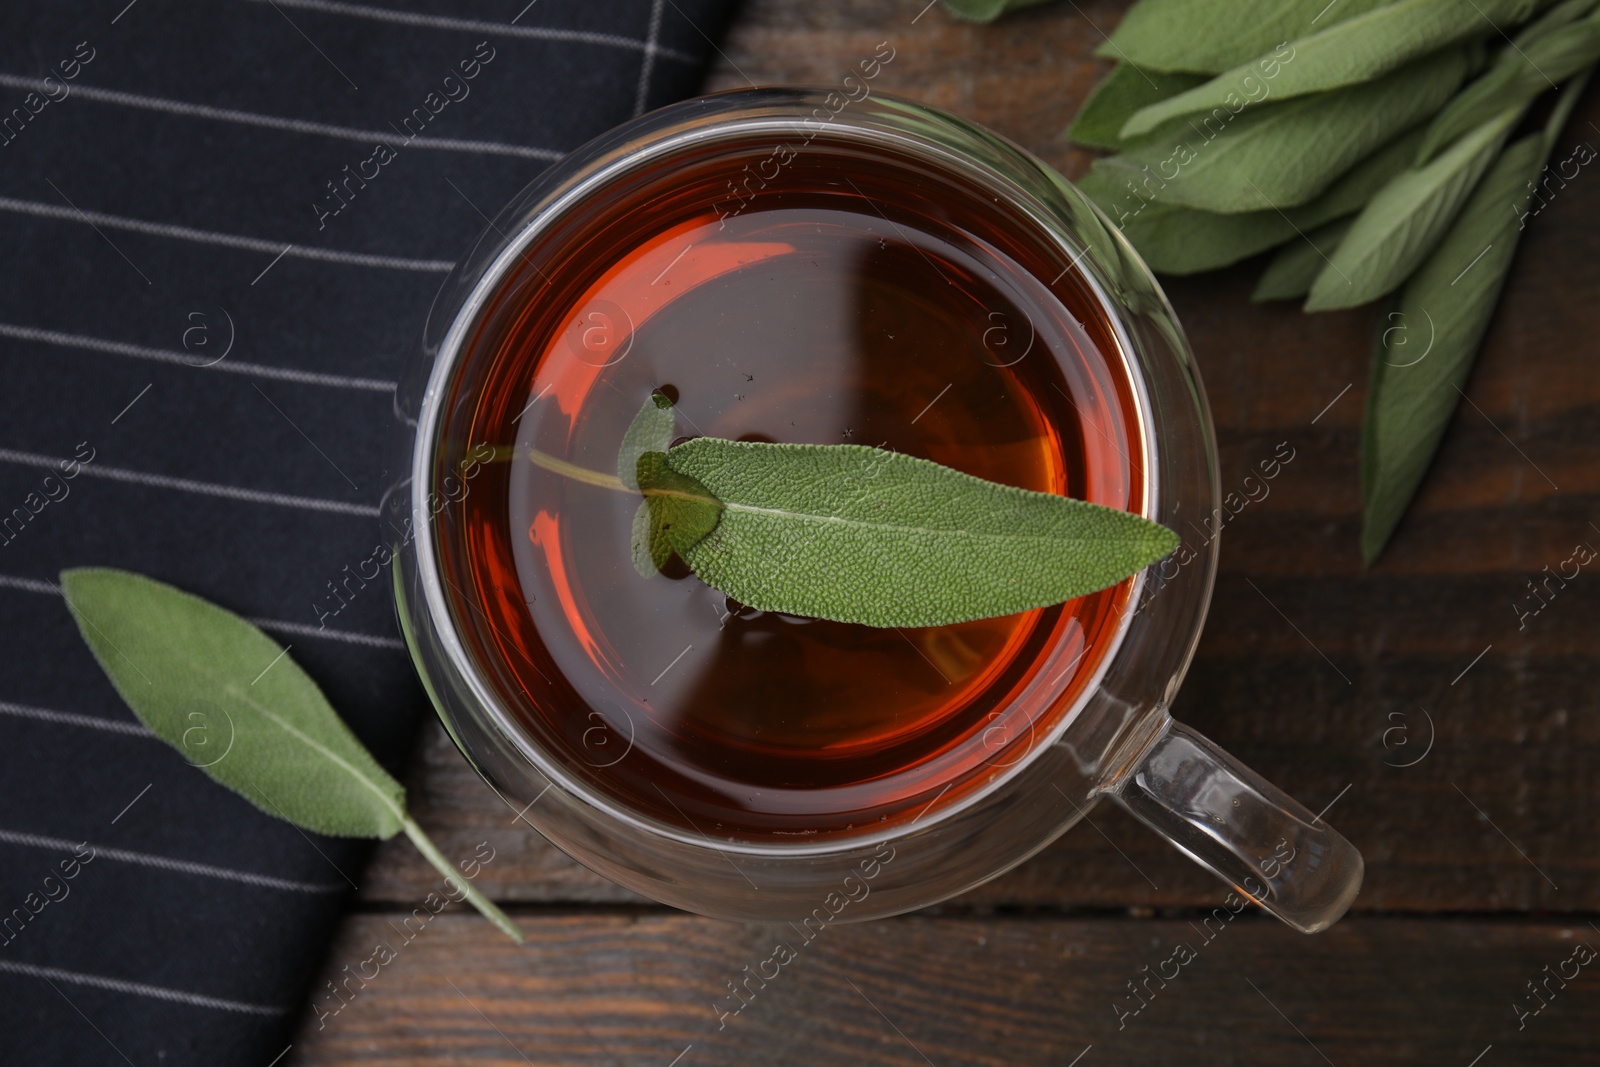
(1375, 144)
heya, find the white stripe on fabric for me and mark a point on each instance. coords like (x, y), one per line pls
(189, 485)
(273, 122)
(441, 22)
(68, 718)
(300, 629)
(146, 859)
(173, 356)
(120, 985)
(30, 585)
(651, 50)
(33, 585)
(226, 240)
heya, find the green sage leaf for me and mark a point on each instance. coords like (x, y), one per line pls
(1551, 50)
(682, 510)
(226, 696)
(1125, 90)
(1278, 155)
(1356, 50)
(1174, 239)
(229, 698)
(1562, 14)
(1211, 36)
(1570, 92)
(650, 431)
(1410, 399)
(648, 543)
(858, 534)
(1443, 314)
(1297, 264)
(986, 10)
(1402, 223)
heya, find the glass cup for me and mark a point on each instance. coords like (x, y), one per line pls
(1117, 741)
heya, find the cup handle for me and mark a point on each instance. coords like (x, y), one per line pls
(1242, 828)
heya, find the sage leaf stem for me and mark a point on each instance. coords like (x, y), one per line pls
(464, 886)
(557, 465)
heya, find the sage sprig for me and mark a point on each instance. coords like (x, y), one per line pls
(1369, 139)
(229, 698)
(863, 535)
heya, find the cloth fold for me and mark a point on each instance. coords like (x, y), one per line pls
(224, 226)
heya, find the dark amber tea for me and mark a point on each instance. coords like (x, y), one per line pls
(836, 296)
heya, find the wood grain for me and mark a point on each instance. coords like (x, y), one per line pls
(611, 989)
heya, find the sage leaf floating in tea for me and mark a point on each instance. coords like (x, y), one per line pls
(862, 535)
(229, 698)
(681, 510)
(650, 431)
(648, 543)
(1444, 311)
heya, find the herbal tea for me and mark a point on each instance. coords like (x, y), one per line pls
(893, 308)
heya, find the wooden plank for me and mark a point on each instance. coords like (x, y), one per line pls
(1312, 668)
(650, 988)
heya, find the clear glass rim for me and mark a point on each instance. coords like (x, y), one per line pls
(451, 350)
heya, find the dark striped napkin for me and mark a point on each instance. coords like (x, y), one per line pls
(223, 225)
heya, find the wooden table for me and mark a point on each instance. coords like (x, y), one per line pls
(1482, 871)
